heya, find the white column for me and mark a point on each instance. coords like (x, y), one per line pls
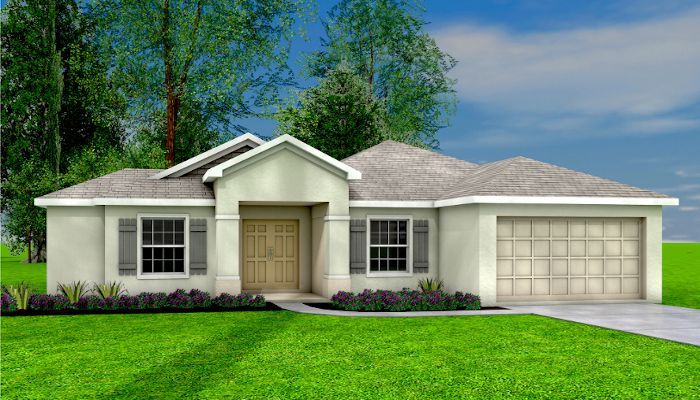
(337, 271)
(228, 276)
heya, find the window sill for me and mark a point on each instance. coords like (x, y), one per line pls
(393, 274)
(162, 276)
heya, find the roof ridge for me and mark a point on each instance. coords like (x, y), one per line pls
(433, 152)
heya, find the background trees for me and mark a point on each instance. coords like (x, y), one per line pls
(384, 43)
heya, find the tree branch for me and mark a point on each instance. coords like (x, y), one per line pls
(190, 51)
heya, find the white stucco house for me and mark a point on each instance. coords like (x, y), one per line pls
(281, 216)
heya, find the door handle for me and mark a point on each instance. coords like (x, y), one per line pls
(270, 253)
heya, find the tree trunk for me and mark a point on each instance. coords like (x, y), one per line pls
(173, 108)
(29, 246)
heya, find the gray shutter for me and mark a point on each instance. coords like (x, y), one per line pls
(420, 246)
(127, 246)
(198, 246)
(358, 246)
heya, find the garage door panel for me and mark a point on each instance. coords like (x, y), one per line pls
(576, 258)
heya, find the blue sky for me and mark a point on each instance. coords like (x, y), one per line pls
(611, 88)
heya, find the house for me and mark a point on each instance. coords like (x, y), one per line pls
(281, 216)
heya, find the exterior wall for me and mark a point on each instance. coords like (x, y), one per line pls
(284, 177)
(303, 214)
(459, 248)
(75, 245)
(488, 213)
(133, 284)
(362, 281)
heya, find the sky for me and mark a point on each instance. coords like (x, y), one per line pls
(610, 88)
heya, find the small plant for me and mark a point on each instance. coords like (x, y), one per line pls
(179, 299)
(20, 293)
(109, 289)
(74, 290)
(200, 299)
(429, 285)
(48, 302)
(7, 303)
(225, 300)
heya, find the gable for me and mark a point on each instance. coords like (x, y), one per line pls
(201, 170)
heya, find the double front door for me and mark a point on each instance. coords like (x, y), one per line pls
(270, 254)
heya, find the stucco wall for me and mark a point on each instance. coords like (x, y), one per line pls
(362, 281)
(459, 248)
(75, 245)
(132, 283)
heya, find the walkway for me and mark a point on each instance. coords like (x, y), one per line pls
(665, 322)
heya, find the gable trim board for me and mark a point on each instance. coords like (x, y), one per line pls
(452, 234)
(193, 163)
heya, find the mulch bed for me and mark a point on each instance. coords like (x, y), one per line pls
(329, 306)
(29, 313)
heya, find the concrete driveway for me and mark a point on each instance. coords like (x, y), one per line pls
(665, 322)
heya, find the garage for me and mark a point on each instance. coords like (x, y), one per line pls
(540, 259)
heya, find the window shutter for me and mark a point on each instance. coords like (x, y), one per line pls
(358, 246)
(420, 246)
(198, 246)
(127, 246)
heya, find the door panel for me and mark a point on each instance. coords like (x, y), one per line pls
(270, 254)
(568, 258)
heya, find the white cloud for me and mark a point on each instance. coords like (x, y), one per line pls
(687, 174)
(642, 69)
(688, 187)
(688, 209)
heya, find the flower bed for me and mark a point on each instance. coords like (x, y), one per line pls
(404, 300)
(177, 301)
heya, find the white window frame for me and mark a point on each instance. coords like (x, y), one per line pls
(409, 249)
(139, 248)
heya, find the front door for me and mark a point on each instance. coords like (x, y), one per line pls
(270, 254)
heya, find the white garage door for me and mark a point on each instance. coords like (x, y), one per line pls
(568, 259)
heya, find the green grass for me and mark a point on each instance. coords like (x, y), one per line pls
(14, 271)
(681, 274)
(287, 355)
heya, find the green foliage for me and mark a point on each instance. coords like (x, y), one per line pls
(74, 290)
(13, 270)
(230, 355)
(221, 60)
(20, 293)
(429, 285)
(109, 289)
(385, 43)
(681, 274)
(339, 117)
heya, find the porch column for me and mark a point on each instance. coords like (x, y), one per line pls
(337, 272)
(228, 276)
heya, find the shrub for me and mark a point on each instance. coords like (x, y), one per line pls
(200, 299)
(74, 290)
(20, 293)
(90, 302)
(429, 285)
(7, 303)
(109, 289)
(48, 302)
(148, 300)
(226, 300)
(404, 300)
(179, 299)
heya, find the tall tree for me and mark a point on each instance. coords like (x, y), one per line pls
(55, 102)
(226, 59)
(339, 117)
(385, 43)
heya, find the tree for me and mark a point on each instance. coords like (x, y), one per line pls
(226, 59)
(339, 117)
(385, 43)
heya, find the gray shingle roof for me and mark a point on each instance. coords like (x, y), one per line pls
(390, 171)
(521, 176)
(135, 183)
(397, 171)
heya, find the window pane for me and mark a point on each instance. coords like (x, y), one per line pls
(147, 251)
(158, 266)
(383, 266)
(179, 266)
(168, 266)
(392, 265)
(179, 253)
(402, 252)
(180, 225)
(168, 253)
(383, 252)
(384, 232)
(168, 238)
(158, 238)
(146, 237)
(168, 225)
(179, 238)
(374, 265)
(393, 252)
(393, 232)
(374, 232)
(147, 224)
(147, 267)
(403, 232)
(401, 265)
(157, 225)
(158, 253)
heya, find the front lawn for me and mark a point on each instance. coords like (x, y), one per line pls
(13, 271)
(681, 274)
(288, 355)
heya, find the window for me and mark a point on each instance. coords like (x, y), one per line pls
(163, 245)
(388, 245)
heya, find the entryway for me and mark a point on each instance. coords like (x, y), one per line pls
(270, 254)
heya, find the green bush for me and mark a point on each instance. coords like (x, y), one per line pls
(74, 290)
